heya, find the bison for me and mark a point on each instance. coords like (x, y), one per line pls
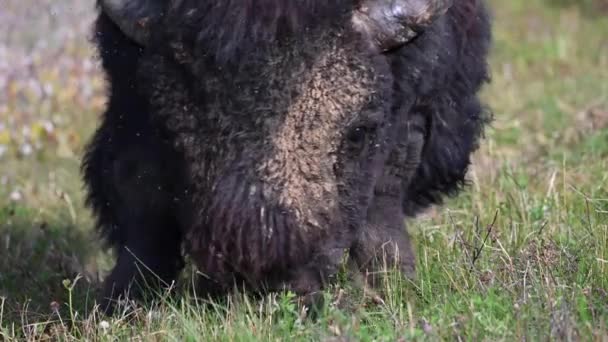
(268, 139)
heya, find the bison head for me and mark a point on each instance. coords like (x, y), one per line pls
(286, 111)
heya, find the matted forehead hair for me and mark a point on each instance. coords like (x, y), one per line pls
(231, 27)
(226, 28)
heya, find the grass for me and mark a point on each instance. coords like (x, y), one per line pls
(522, 253)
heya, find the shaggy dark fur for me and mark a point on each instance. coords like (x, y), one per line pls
(269, 138)
(234, 28)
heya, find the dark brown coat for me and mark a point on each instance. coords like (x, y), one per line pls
(272, 139)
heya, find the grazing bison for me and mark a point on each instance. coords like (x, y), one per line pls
(269, 137)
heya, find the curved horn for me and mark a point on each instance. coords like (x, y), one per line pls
(133, 16)
(392, 23)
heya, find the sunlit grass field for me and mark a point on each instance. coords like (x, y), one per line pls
(521, 253)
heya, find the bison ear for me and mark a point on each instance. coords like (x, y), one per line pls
(133, 17)
(392, 23)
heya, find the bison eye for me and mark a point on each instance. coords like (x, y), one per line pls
(358, 138)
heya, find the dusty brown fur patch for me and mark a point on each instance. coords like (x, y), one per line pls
(298, 168)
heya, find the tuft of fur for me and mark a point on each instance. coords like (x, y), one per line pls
(458, 49)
